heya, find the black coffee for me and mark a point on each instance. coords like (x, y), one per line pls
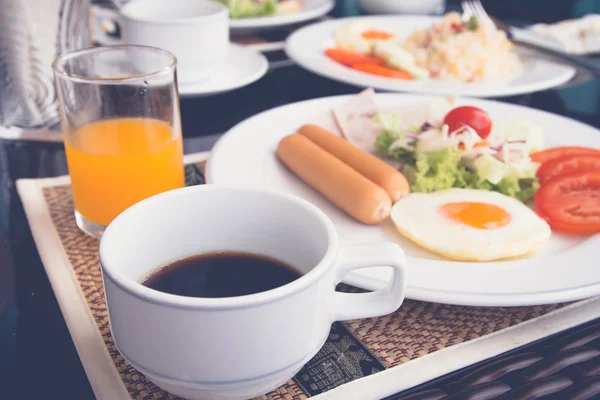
(221, 274)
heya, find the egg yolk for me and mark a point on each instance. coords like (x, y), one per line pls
(476, 215)
(375, 34)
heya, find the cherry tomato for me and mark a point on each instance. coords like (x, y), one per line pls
(571, 202)
(457, 26)
(556, 152)
(566, 164)
(474, 117)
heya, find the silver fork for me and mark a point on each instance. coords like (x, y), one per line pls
(474, 8)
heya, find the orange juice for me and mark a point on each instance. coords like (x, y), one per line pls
(116, 163)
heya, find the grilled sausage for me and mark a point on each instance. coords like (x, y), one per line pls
(374, 169)
(342, 185)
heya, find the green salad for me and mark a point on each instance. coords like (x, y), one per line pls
(250, 8)
(433, 159)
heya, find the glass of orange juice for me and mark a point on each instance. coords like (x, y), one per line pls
(119, 110)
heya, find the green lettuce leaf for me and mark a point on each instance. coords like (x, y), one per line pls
(520, 188)
(442, 170)
(436, 170)
(382, 146)
(250, 8)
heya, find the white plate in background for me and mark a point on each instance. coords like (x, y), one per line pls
(311, 9)
(306, 47)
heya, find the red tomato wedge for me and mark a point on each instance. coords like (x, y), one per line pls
(348, 58)
(566, 164)
(557, 152)
(571, 202)
(474, 117)
(382, 71)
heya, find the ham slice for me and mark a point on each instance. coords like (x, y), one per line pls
(327, 121)
(432, 112)
(354, 118)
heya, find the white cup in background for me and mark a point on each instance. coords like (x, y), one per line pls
(195, 31)
(234, 347)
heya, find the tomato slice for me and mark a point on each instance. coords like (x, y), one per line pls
(474, 117)
(382, 71)
(571, 202)
(566, 164)
(348, 57)
(557, 152)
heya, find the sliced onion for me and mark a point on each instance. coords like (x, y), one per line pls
(498, 156)
(403, 143)
(472, 156)
(426, 126)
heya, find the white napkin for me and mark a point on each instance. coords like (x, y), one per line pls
(28, 45)
(577, 36)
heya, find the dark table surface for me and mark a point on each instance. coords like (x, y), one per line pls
(37, 356)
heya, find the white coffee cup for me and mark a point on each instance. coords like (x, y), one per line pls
(195, 31)
(235, 347)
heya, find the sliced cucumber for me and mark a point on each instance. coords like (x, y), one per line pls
(413, 69)
(396, 57)
(387, 49)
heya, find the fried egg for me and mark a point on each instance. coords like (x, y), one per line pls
(470, 225)
(359, 36)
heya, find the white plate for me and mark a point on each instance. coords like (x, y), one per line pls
(311, 9)
(565, 269)
(242, 67)
(306, 47)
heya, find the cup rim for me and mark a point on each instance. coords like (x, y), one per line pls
(144, 293)
(60, 72)
(220, 10)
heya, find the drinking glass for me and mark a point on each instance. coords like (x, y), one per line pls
(119, 111)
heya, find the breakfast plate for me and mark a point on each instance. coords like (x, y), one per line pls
(311, 9)
(242, 67)
(564, 269)
(307, 46)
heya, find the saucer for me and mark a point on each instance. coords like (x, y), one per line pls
(242, 67)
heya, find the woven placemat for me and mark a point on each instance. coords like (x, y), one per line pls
(354, 350)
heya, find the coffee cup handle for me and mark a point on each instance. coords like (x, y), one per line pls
(373, 304)
(103, 15)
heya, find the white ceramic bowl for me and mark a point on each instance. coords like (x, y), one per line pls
(403, 6)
